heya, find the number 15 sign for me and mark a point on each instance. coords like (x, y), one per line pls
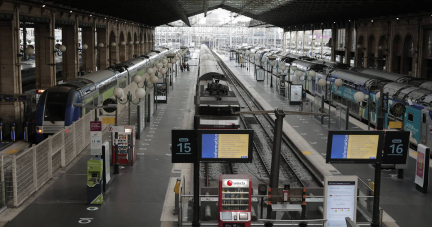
(183, 146)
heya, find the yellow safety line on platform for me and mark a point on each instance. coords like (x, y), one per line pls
(12, 151)
(306, 152)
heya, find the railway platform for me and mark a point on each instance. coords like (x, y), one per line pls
(139, 196)
(8, 148)
(402, 203)
(142, 195)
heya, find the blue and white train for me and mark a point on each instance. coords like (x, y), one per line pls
(414, 94)
(55, 109)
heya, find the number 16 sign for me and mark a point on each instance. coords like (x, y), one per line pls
(183, 146)
(396, 147)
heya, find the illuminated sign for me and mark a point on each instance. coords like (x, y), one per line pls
(237, 183)
(225, 145)
(396, 147)
(340, 200)
(183, 146)
(422, 168)
(161, 93)
(296, 92)
(354, 146)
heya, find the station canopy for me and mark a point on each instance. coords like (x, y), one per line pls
(281, 13)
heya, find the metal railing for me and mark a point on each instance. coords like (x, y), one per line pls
(314, 199)
(27, 171)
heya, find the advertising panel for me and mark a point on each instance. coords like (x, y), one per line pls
(354, 146)
(161, 93)
(225, 145)
(422, 168)
(295, 96)
(96, 138)
(260, 74)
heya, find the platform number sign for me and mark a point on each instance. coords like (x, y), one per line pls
(396, 147)
(183, 146)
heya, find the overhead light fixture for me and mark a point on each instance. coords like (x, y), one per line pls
(397, 18)
(349, 20)
(372, 21)
(70, 11)
(90, 15)
(43, 5)
(105, 18)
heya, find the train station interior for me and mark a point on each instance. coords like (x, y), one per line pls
(227, 113)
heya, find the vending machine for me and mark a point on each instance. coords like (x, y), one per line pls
(94, 181)
(235, 193)
(126, 145)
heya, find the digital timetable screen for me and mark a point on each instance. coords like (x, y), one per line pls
(225, 145)
(354, 146)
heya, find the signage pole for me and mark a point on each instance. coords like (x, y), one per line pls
(116, 164)
(274, 175)
(377, 188)
(196, 221)
(271, 77)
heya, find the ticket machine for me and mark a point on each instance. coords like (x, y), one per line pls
(235, 193)
(126, 145)
(94, 181)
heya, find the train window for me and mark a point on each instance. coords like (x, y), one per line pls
(55, 106)
(410, 117)
(424, 118)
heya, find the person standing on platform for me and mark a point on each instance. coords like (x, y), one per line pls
(187, 66)
(181, 67)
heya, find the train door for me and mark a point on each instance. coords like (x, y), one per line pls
(313, 86)
(426, 127)
(412, 123)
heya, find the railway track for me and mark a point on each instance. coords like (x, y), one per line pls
(294, 166)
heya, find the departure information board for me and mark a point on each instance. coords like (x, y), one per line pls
(340, 200)
(354, 146)
(225, 145)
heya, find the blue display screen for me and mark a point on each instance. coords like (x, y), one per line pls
(210, 143)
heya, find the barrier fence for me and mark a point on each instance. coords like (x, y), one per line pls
(28, 170)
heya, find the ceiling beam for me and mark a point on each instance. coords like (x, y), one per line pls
(205, 7)
(175, 7)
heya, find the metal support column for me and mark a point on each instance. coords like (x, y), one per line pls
(196, 222)
(116, 164)
(377, 188)
(274, 175)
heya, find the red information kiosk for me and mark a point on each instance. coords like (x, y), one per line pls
(235, 193)
(126, 144)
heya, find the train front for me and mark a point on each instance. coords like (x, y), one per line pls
(56, 110)
(216, 102)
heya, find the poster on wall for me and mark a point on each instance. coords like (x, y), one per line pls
(161, 93)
